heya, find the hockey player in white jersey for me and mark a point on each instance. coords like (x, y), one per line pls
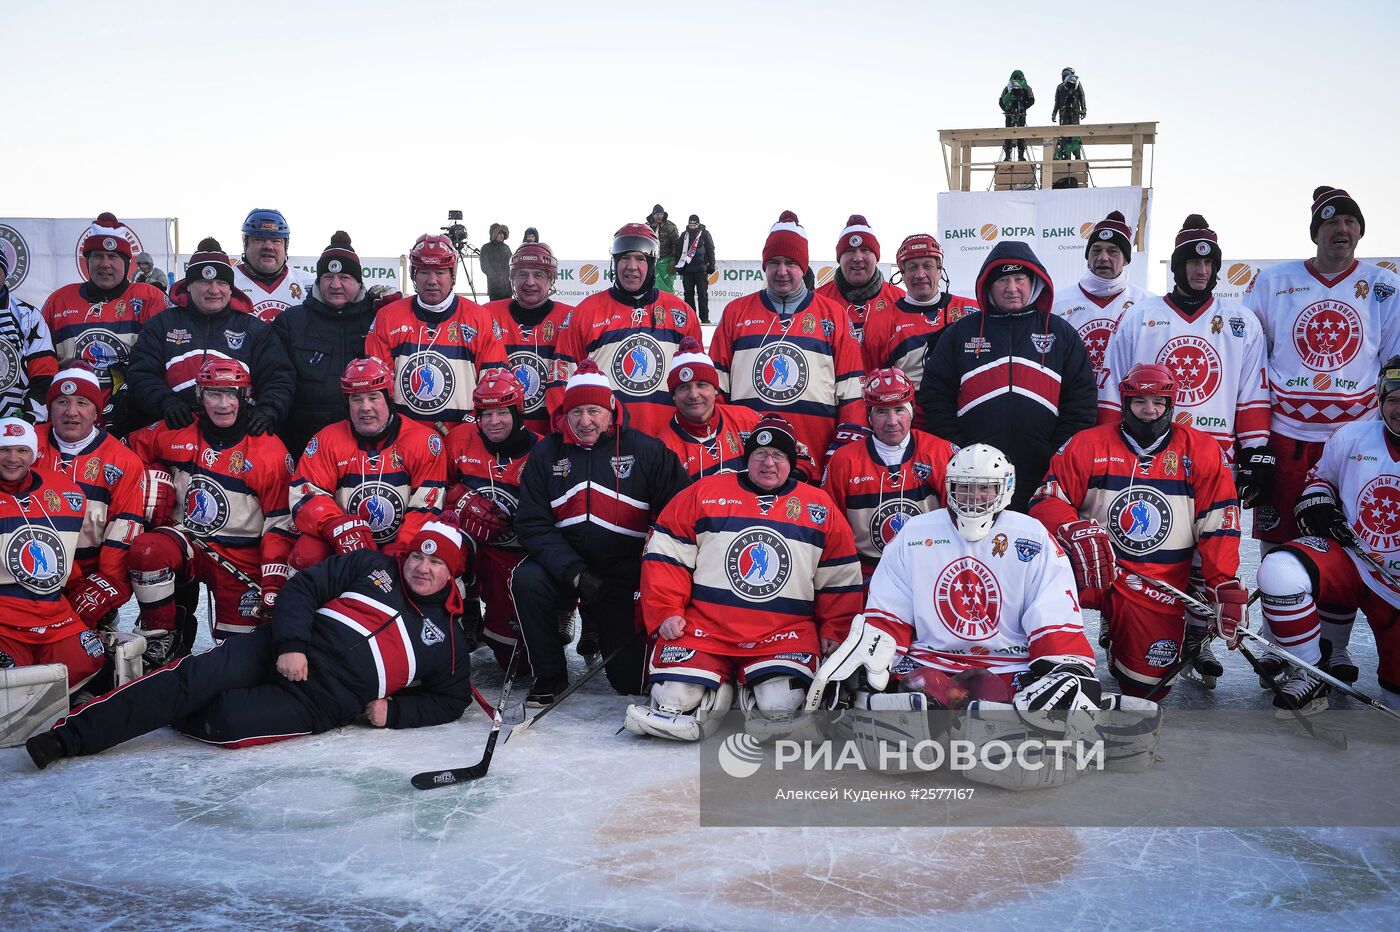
(263, 273)
(1102, 296)
(1350, 514)
(1329, 322)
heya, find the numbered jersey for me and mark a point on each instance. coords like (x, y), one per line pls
(1218, 357)
(1360, 468)
(100, 333)
(495, 477)
(38, 541)
(533, 355)
(1327, 338)
(272, 298)
(996, 604)
(1095, 320)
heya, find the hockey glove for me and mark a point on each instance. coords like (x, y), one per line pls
(274, 577)
(348, 534)
(846, 433)
(1231, 602)
(177, 413)
(159, 504)
(1318, 514)
(262, 421)
(1090, 553)
(590, 587)
(1256, 475)
(162, 646)
(867, 648)
(1056, 690)
(481, 518)
(92, 598)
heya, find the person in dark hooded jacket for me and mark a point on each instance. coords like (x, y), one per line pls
(1012, 375)
(1016, 98)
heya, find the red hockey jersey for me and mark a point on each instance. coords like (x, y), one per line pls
(395, 484)
(803, 366)
(719, 450)
(633, 347)
(898, 337)
(748, 569)
(495, 477)
(100, 333)
(858, 315)
(533, 355)
(39, 539)
(436, 358)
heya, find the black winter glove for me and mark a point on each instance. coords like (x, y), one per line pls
(590, 587)
(261, 421)
(1318, 514)
(1256, 478)
(177, 413)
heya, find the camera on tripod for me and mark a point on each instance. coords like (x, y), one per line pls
(456, 231)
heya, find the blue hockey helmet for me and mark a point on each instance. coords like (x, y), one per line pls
(267, 224)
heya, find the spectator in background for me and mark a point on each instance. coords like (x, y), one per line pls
(1016, 98)
(695, 260)
(148, 274)
(495, 263)
(1069, 100)
(668, 236)
(532, 235)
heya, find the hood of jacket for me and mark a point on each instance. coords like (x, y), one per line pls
(180, 297)
(1014, 252)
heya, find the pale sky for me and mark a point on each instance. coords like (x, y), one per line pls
(377, 118)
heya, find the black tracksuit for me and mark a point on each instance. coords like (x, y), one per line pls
(320, 342)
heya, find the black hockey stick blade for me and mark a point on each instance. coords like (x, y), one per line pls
(433, 779)
(1335, 737)
(587, 675)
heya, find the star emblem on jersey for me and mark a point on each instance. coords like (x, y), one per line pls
(967, 599)
(1139, 520)
(1327, 335)
(1095, 335)
(758, 564)
(426, 382)
(1196, 365)
(532, 372)
(638, 364)
(889, 519)
(35, 557)
(381, 506)
(780, 373)
(1378, 513)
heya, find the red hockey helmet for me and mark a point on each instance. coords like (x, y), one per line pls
(219, 372)
(918, 246)
(367, 375)
(887, 388)
(1147, 378)
(535, 256)
(432, 251)
(636, 237)
(498, 388)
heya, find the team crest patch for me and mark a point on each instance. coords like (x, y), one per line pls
(312, 447)
(101, 349)
(426, 382)
(287, 462)
(638, 364)
(923, 471)
(382, 508)
(11, 366)
(1196, 365)
(1237, 327)
(679, 315)
(112, 473)
(1043, 342)
(967, 599)
(75, 501)
(177, 336)
(431, 633)
(496, 329)
(622, 465)
(816, 512)
(92, 644)
(434, 444)
(977, 346)
(1161, 653)
(16, 252)
(889, 519)
(532, 372)
(249, 604)
(468, 334)
(1382, 291)
(828, 328)
(1139, 520)
(235, 338)
(1327, 335)
(1027, 550)
(780, 373)
(35, 557)
(382, 580)
(674, 653)
(758, 564)
(1378, 513)
(562, 468)
(206, 506)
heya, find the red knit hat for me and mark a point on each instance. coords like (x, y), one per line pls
(107, 234)
(81, 383)
(1114, 230)
(856, 234)
(786, 238)
(918, 246)
(442, 538)
(690, 364)
(588, 386)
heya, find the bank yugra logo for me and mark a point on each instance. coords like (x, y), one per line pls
(588, 274)
(988, 231)
(740, 755)
(825, 274)
(1085, 229)
(1240, 273)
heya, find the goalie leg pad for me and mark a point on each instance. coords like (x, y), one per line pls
(1008, 753)
(680, 711)
(890, 728)
(774, 708)
(126, 650)
(1131, 729)
(32, 699)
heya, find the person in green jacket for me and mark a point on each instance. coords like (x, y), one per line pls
(1016, 98)
(669, 235)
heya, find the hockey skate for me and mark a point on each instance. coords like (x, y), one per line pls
(1269, 666)
(1302, 692)
(1205, 667)
(1337, 661)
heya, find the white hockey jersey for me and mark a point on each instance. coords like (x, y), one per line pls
(1095, 320)
(1362, 470)
(1219, 360)
(1327, 338)
(270, 300)
(998, 603)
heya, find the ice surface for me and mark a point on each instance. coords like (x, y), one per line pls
(577, 827)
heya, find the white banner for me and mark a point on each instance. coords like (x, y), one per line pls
(1237, 274)
(42, 252)
(377, 270)
(1055, 223)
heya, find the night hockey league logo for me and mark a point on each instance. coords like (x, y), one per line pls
(758, 563)
(35, 558)
(780, 373)
(10, 365)
(1196, 366)
(16, 252)
(532, 373)
(1378, 514)
(1139, 519)
(1095, 335)
(638, 365)
(889, 519)
(381, 507)
(101, 349)
(967, 599)
(206, 506)
(427, 382)
(1327, 335)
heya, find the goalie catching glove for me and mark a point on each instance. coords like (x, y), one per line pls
(866, 648)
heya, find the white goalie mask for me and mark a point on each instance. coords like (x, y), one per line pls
(980, 483)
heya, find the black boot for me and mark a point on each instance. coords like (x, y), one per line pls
(546, 690)
(45, 748)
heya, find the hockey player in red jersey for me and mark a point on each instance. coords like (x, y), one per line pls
(890, 476)
(899, 336)
(858, 285)
(1348, 512)
(745, 576)
(232, 531)
(262, 273)
(529, 327)
(98, 320)
(41, 518)
(436, 343)
(368, 482)
(631, 331)
(484, 460)
(75, 443)
(706, 434)
(1139, 497)
(787, 351)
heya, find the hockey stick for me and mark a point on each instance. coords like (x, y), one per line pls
(481, 701)
(1181, 663)
(224, 562)
(1373, 561)
(587, 675)
(432, 779)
